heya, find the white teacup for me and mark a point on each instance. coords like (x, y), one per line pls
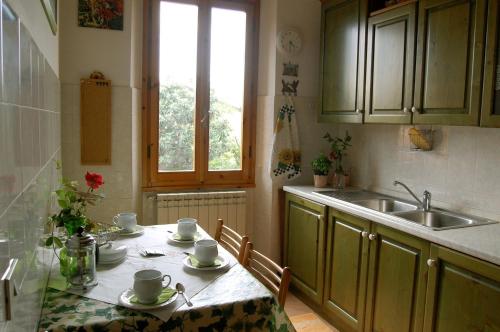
(148, 285)
(126, 220)
(186, 228)
(206, 251)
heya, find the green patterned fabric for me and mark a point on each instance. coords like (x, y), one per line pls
(234, 302)
(68, 312)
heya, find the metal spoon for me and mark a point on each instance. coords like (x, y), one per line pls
(180, 289)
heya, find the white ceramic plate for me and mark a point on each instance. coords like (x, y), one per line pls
(197, 236)
(224, 262)
(138, 231)
(112, 251)
(125, 297)
(112, 262)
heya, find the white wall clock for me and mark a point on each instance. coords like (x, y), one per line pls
(289, 42)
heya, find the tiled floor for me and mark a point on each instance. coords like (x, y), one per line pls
(304, 319)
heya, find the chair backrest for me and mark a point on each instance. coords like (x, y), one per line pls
(232, 241)
(276, 278)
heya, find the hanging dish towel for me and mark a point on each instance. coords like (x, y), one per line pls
(285, 161)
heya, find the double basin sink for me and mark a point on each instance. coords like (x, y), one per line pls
(436, 219)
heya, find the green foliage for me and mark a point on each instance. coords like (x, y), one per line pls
(338, 147)
(177, 131)
(321, 165)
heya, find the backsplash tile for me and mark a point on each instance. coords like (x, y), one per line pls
(30, 130)
(11, 182)
(10, 56)
(461, 171)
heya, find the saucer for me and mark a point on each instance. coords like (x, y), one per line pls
(172, 237)
(112, 252)
(223, 263)
(126, 296)
(112, 262)
(137, 231)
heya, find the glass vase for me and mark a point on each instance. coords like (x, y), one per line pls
(338, 181)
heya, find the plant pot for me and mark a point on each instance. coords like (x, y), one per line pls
(320, 181)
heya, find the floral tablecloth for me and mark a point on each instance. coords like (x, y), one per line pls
(236, 301)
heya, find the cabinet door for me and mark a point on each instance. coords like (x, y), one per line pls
(490, 107)
(347, 265)
(343, 32)
(390, 66)
(397, 280)
(449, 62)
(305, 245)
(463, 293)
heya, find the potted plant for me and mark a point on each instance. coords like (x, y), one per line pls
(72, 214)
(338, 148)
(321, 167)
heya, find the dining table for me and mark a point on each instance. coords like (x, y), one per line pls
(229, 298)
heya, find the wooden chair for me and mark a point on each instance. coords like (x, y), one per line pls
(276, 278)
(232, 241)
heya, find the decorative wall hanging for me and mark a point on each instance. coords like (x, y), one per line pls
(101, 14)
(95, 120)
(50, 8)
(286, 154)
(290, 69)
(289, 88)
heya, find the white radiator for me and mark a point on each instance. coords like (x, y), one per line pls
(206, 207)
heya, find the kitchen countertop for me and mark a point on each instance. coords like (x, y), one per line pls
(482, 241)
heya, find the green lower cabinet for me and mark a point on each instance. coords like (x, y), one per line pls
(463, 293)
(305, 245)
(346, 270)
(397, 280)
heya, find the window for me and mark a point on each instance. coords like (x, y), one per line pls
(199, 93)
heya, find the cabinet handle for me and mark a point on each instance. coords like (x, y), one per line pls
(372, 237)
(431, 262)
(359, 111)
(364, 234)
(405, 110)
(414, 110)
(7, 281)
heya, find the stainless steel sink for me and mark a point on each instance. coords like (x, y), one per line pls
(439, 220)
(386, 205)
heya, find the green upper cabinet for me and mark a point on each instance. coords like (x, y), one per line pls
(346, 270)
(305, 245)
(397, 280)
(343, 26)
(463, 293)
(490, 108)
(390, 66)
(449, 62)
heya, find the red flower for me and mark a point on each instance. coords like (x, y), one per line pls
(94, 180)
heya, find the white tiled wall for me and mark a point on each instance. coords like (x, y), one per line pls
(29, 146)
(461, 172)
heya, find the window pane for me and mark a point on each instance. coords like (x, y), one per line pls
(227, 74)
(177, 98)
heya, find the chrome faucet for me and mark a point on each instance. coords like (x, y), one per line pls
(426, 200)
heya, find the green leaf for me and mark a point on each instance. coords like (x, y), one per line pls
(61, 193)
(49, 241)
(63, 203)
(58, 242)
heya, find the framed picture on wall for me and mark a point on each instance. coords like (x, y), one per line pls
(101, 14)
(50, 8)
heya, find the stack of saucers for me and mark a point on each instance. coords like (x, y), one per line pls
(112, 254)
